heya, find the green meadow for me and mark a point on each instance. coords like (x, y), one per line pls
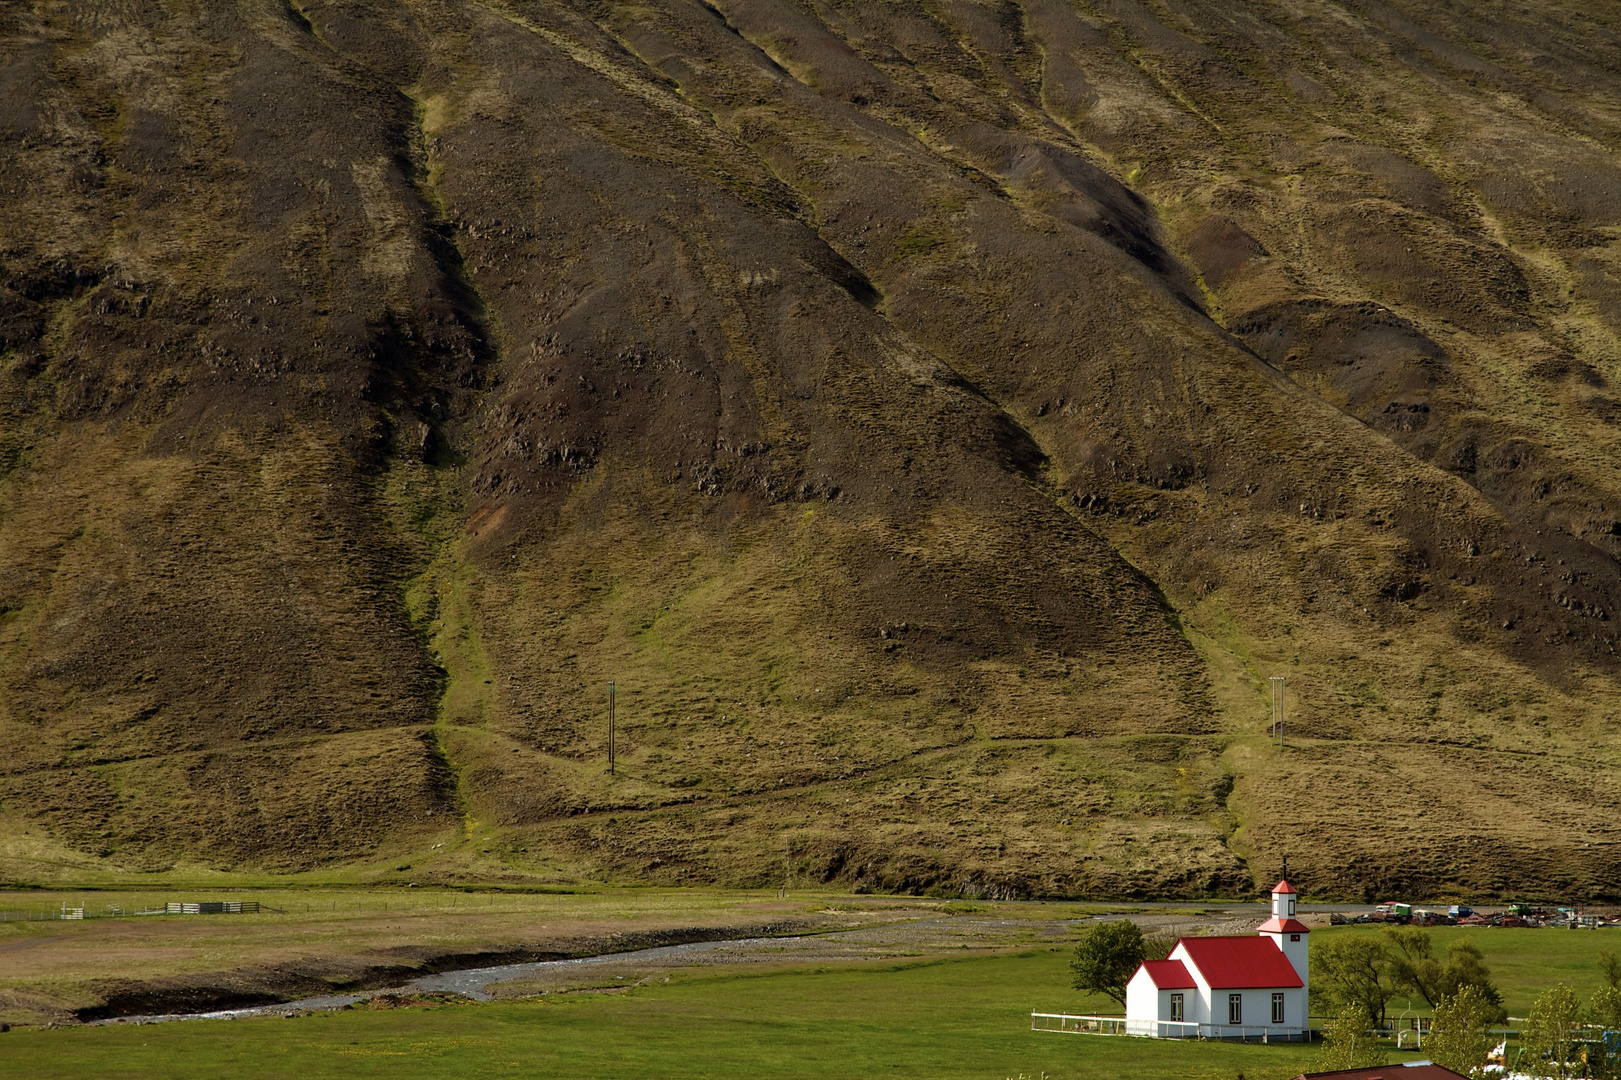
(942, 1019)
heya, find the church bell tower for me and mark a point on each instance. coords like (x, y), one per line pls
(1285, 931)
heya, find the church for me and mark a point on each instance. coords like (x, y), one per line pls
(1227, 987)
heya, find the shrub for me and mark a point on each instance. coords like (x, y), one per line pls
(1548, 1036)
(1461, 1037)
(1347, 1043)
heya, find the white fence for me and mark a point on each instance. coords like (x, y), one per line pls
(222, 907)
(1071, 1024)
(1112, 1025)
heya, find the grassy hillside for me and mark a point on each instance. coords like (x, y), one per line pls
(939, 421)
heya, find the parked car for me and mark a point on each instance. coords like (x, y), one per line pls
(1396, 913)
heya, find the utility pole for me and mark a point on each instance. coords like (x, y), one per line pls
(610, 729)
(1277, 682)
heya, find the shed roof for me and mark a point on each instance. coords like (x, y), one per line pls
(1412, 1070)
(1241, 963)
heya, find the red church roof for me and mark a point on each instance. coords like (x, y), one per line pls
(1169, 974)
(1282, 887)
(1284, 926)
(1240, 963)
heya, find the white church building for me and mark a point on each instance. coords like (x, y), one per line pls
(1227, 987)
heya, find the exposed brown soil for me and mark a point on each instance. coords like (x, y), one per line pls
(938, 419)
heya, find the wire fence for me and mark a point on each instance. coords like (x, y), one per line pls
(70, 913)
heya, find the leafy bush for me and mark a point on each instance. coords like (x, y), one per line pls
(1347, 1043)
(1548, 1036)
(1461, 1037)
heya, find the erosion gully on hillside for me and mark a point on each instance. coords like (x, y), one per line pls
(938, 419)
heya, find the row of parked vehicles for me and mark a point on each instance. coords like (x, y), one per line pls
(1464, 915)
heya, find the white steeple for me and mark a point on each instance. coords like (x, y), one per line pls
(1285, 931)
(1283, 901)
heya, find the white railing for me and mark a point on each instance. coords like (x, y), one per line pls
(1072, 1024)
(1113, 1025)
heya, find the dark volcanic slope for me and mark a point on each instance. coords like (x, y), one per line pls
(939, 419)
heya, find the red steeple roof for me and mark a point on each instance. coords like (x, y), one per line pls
(1240, 963)
(1283, 887)
(1276, 925)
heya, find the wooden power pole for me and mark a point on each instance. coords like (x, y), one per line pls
(1277, 682)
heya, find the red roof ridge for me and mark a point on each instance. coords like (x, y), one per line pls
(1283, 887)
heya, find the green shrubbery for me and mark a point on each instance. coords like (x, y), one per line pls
(1368, 972)
(1357, 975)
(1461, 1038)
(1348, 1043)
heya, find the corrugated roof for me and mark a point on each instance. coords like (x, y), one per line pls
(1425, 1071)
(1169, 974)
(1240, 963)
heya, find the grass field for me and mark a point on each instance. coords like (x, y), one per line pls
(964, 1018)
(336, 935)
(951, 1017)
